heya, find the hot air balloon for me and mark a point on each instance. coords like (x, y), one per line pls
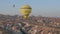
(14, 5)
(25, 11)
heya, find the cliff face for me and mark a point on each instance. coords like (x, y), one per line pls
(34, 25)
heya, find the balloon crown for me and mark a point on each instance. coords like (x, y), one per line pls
(26, 7)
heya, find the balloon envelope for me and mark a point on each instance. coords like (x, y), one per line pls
(13, 5)
(25, 11)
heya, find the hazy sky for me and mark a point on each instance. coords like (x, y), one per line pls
(40, 7)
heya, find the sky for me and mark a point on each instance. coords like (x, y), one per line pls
(39, 7)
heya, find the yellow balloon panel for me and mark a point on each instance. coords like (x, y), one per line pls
(25, 17)
(25, 11)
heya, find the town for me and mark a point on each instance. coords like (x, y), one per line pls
(33, 25)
